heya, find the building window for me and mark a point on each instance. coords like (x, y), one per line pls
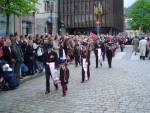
(26, 27)
(47, 6)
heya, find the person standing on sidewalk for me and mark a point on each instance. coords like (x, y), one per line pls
(50, 57)
(18, 55)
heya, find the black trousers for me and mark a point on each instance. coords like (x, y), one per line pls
(48, 74)
(64, 88)
(109, 59)
(77, 60)
(30, 65)
(103, 55)
(121, 47)
(96, 57)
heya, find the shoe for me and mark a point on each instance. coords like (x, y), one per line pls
(56, 88)
(82, 82)
(47, 92)
(20, 77)
(101, 64)
(64, 94)
(40, 71)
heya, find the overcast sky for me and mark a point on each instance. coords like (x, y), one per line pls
(128, 3)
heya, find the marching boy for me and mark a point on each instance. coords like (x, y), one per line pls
(64, 77)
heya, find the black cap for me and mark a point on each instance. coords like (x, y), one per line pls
(84, 43)
(50, 46)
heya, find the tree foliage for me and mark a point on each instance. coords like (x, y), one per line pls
(18, 7)
(140, 14)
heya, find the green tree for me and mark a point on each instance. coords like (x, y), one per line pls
(16, 7)
(140, 14)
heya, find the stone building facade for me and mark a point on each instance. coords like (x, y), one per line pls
(47, 17)
(78, 15)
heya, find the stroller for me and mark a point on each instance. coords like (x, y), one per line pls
(9, 80)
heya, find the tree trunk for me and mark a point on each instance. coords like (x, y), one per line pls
(7, 23)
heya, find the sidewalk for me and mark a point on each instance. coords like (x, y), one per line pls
(27, 78)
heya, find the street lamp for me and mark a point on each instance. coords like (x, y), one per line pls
(98, 11)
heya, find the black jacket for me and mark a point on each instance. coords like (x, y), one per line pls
(50, 57)
(64, 79)
(8, 55)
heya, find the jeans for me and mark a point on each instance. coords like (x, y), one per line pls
(39, 65)
(17, 69)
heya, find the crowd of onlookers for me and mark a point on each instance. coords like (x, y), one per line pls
(142, 45)
(24, 54)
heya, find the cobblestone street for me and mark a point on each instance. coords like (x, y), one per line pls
(123, 89)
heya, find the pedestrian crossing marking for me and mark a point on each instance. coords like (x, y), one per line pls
(119, 55)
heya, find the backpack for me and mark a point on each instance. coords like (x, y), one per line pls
(39, 51)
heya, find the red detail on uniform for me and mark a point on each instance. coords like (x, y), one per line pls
(98, 22)
(93, 36)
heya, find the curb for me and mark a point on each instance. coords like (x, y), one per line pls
(28, 78)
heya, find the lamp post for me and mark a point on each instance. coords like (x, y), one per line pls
(98, 11)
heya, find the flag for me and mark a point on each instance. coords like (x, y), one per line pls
(93, 36)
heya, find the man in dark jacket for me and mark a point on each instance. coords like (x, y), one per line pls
(96, 52)
(18, 55)
(109, 53)
(50, 57)
(77, 54)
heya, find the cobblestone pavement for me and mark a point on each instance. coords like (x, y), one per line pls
(122, 89)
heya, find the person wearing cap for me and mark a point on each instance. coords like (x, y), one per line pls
(64, 77)
(62, 53)
(85, 62)
(109, 53)
(76, 55)
(50, 57)
(96, 46)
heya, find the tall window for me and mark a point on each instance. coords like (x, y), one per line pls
(47, 6)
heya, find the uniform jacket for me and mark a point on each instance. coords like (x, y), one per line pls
(64, 76)
(50, 57)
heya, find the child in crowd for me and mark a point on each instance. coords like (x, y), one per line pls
(64, 77)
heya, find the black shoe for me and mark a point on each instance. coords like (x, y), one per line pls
(56, 88)
(40, 71)
(64, 95)
(101, 64)
(82, 82)
(47, 92)
(109, 66)
(20, 77)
